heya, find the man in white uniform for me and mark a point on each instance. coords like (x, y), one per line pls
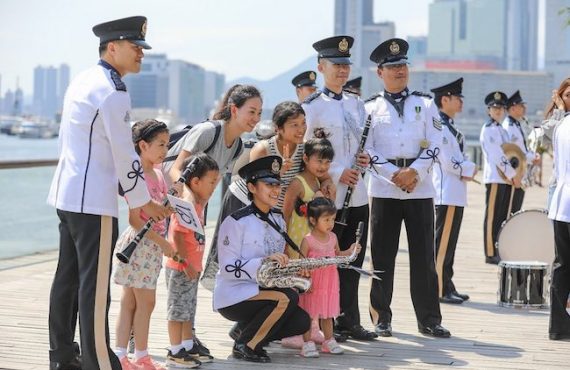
(342, 116)
(96, 156)
(450, 178)
(498, 192)
(403, 142)
(516, 110)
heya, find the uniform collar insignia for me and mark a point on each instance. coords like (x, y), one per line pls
(332, 94)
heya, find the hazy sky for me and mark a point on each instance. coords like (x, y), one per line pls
(256, 38)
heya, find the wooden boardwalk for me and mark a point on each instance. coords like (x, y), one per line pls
(484, 335)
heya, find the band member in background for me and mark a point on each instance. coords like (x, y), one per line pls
(96, 154)
(516, 110)
(342, 115)
(353, 86)
(498, 194)
(450, 181)
(247, 238)
(404, 141)
(305, 84)
(559, 212)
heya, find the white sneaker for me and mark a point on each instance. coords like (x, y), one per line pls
(309, 350)
(331, 346)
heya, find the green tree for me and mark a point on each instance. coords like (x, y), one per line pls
(565, 12)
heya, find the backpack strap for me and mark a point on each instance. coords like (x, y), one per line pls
(218, 127)
(238, 149)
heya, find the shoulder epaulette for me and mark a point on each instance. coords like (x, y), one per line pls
(242, 212)
(312, 97)
(119, 84)
(489, 123)
(373, 97)
(423, 94)
(511, 121)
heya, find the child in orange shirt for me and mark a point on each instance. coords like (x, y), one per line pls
(182, 278)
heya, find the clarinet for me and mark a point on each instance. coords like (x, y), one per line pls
(344, 213)
(125, 255)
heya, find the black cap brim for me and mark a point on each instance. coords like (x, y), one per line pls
(141, 43)
(270, 180)
(339, 60)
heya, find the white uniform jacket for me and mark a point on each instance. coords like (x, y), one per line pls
(394, 137)
(96, 149)
(451, 165)
(517, 136)
(492, 137)
(344, 120)
(244, 240)
(560, 204)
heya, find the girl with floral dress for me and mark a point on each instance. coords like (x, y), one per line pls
(139, 276)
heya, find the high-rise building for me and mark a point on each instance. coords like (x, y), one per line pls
(355, 18)
(149, 87)
(557, 45)
(483, 34)
(50, 84)
(177, 86)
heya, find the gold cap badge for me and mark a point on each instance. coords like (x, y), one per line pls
(275, 167)
(394, 48)
(143, 29)
(343, 45)
(312, 76)
(497, 96)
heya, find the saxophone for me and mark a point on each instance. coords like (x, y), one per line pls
(271, 275)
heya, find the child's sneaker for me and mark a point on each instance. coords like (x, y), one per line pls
(201, 345)
(331, 346)
(126, 364)
(309, 350)
(146, 363)
(199, 354)
(182, 358)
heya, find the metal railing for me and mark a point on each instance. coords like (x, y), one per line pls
(27, 163)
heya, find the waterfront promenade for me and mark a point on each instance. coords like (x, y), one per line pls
(484, 335)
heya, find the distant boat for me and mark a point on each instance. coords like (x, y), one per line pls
(36, 130)
(7, 123)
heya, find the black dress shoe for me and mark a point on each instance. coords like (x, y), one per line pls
(263, 354)
(340, 336)
(465, 297)
(74, 364)
(559, 336)
(235, 331)
(434, 330)
(243, 352)
(493, 260)
(451, 298)
(359, 333)
(383, 329)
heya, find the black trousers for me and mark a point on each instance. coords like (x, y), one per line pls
(270, 315)
(497, 198)
(447, 225)
(350, 279)
(81, 284)
(560, 286)
(386, 222)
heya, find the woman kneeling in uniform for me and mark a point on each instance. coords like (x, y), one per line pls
(247, 238)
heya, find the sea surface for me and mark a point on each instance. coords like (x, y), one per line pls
(27, 224)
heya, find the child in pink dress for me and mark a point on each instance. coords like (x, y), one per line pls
(322, 300)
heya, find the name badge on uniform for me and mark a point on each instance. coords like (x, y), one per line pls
(418, 111)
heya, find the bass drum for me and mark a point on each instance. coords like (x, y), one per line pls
(527, 236)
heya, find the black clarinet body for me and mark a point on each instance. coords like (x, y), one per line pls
(341, 222)
(125, 255)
